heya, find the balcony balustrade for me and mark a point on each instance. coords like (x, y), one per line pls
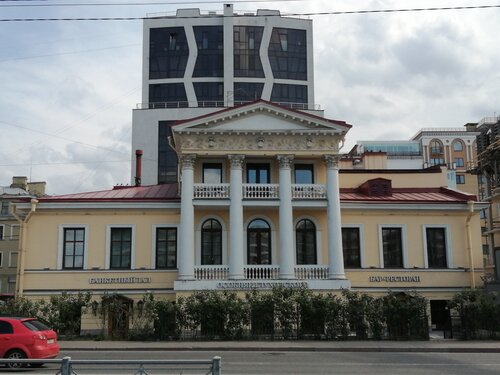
(308, 191)
(211, 191)
(216, 272)
(311, 272)
(261, 272)
(261, 191)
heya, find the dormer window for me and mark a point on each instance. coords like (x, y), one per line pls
(377, 187)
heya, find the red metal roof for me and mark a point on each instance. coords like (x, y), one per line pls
(121, 193)
(409, 195)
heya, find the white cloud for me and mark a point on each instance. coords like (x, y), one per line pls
(387, 74)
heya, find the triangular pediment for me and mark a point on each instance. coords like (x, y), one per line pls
(261, 117)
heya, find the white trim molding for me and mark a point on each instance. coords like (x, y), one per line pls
(404, 243)
(60, 243)
(449, 255)
(107, 260)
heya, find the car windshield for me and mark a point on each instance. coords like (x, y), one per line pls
(35, 325)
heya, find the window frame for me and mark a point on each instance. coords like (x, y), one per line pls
(109, 227)
(60, 245)
(10, 258)
(1, 261)
(202, 231)
(212, 165)
(404, 244)
(4, 205)
(262, 166)
(459, 162)
(154, 250)
(460, 179)
(361, 230)
(267, 230)
(448, 250)
(314, 231)
(64, 266)
(458, 142)
(303, 167)
(2, 232)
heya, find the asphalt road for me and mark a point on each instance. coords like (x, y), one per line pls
(275, 362)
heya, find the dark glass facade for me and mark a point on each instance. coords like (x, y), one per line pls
(210, 60)
(288, 54)
(289, 93)
(165, 93)
(167, 158)
(168, 52)
(247, 92)
(247, 41)
(209, 92)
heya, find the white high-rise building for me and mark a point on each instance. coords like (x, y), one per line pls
(195, 64)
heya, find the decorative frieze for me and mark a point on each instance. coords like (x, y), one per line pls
(242, 142)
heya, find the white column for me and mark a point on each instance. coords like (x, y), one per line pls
(236, 252)
(287, 258)
(335, 255)
(186, 238)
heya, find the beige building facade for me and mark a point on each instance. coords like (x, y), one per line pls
(261, 202)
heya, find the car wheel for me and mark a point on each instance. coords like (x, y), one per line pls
(15, 354)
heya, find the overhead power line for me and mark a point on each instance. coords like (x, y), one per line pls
(343, 12)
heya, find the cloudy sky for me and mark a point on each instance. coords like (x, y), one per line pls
(68, 87)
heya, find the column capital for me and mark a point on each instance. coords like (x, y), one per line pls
(187, 161)
(285, 161)
(332, 161)
(236, 161)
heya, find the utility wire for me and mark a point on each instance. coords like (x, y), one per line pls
(343, 12)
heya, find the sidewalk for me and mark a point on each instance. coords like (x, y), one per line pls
(434, 345)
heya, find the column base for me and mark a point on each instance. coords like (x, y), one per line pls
(287, 276)
(186, 278)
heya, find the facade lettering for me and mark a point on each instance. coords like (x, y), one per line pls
(248, 285)
(119, 280)
(394, 279)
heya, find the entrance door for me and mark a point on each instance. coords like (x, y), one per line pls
(440, 314)
(118, 317)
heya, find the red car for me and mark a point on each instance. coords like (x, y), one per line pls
(26, 338)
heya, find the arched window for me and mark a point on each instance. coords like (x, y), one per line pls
(436, 147)
(211, 242)
(259, 242)
(305, 242)
(458, 146)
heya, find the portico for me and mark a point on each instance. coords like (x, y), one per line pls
(276, 165)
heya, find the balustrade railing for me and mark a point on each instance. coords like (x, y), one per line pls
(262, 272)
(311, 272)
(217, 272)
(261, 191)
(308, 191)
(211, 191)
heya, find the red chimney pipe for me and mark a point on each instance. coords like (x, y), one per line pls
(138, 167)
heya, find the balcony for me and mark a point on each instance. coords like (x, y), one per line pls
(261, 272)
(259, 191)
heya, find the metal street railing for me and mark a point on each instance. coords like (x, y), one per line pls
(138, 367)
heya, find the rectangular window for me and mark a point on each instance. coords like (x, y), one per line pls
(73, 248)
(121, 248)
(1, 258)
(392, 246)
(351, 247)
(4, 209)
(436, 247)
(14, 231)
(2, 230)
(212, 173)
(13, 259)
(304, 174)
(460, 179)
(166, 248)
(258, 173)
(459, 162)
